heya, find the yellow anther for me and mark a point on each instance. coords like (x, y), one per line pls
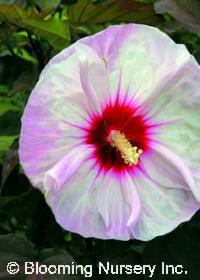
(129, 153)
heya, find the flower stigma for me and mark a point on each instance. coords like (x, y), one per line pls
(129, 153)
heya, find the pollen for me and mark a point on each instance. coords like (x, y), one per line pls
(129, 153)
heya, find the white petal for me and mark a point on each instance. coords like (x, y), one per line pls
(142, 55)
(58, 176)
(166, 198)
(178, 105)
(74, 206)
(59, 109)
(119, 205)
(93, 77)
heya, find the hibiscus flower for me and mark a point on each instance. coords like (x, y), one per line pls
(110, 134)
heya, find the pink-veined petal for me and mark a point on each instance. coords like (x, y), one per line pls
(131, 62)
(93, 77)
(58, 176)
(58, 111)
(135, 53)
(178, 105)
(164, 186)
(119, 205)
(74, 206)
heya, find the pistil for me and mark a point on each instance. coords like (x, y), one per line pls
(129, 153)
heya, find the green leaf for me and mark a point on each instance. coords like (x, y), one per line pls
(6, 33)
(6, 105)
(22, 3)
(56, 257)
(25, 55)
(196, 53)
(56, 31)
(46, 4)
(17, 248)
(16, 245)
(5, 143)
(29, 200)
(3, 90)
(186, 12)
(10, 123)
(112, 11)
(24, 83)
(10, 162)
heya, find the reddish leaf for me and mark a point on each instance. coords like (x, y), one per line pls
(112, 11)
(186, 12)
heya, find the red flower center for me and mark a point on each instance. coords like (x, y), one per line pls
(124, 119)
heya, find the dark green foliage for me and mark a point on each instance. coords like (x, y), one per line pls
(31, 32)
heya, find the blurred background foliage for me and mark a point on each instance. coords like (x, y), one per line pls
(31, 32)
